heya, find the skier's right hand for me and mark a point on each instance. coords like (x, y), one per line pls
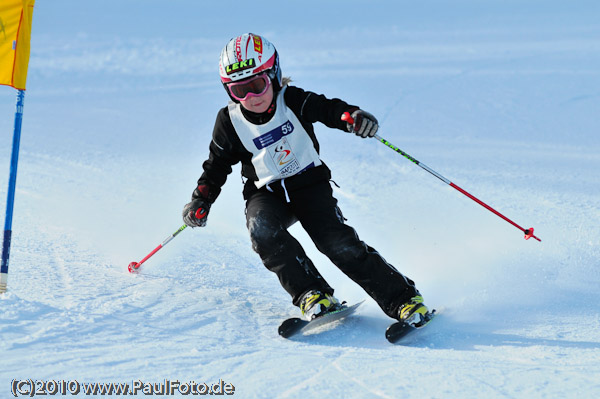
(196, 212)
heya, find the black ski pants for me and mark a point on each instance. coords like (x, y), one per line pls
(269, 215)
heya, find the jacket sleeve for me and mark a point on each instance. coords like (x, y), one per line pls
(221, 157)
(314, 107)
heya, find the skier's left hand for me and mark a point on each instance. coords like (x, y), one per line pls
(365, 125)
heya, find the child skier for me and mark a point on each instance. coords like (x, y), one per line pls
(268, 127)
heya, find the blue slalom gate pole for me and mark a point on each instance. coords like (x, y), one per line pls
(12, 182)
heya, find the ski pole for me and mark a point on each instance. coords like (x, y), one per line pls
(528, 232)
(134, 266)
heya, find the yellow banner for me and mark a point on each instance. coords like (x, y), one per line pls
(15, 36)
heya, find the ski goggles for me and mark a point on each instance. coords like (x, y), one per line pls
(253, 87)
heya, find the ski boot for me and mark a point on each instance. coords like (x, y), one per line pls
(315, 303)
(414, 312)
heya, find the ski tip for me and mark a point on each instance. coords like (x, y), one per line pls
(290, 326)
(398, 330)
(294, 325)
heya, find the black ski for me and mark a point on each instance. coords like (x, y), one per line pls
(400, 329)
(297, 325)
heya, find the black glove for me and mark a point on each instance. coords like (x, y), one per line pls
(196, 212)
(364, 125)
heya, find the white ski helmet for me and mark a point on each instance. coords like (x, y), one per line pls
(248, 55)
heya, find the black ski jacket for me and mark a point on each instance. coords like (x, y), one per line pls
(226, 149)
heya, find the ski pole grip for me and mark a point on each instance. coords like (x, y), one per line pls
(201, 213)
(346, 117)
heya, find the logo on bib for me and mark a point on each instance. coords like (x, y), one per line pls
(284, 159)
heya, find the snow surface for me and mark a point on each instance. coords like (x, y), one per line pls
(501, 97)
